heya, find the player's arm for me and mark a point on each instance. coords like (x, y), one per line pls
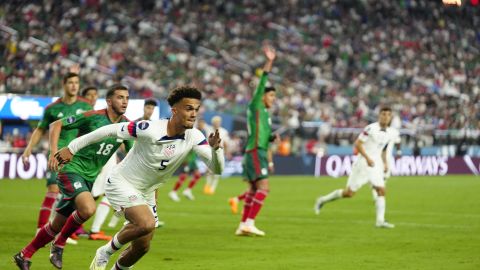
(258, 94)
(361, 151)
(34, 139)
(211, 153)
(271, 166)
(384, 159)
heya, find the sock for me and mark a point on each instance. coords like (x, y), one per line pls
(247, 205)
(374, 194)
(113, 245)
(242, 196)
(380, 208)
(101, 214)
(43, 237)
(214, 184)
(46, 208)
(258, 199)
(118, 266)
(113, 221)
(195, 178)
(181, 179)
(336, 194)
(74, 221)
(209, 179)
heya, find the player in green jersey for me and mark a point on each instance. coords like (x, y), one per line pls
(256, 159)
(76, 178)
(68, 104)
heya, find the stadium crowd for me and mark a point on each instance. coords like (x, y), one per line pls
(338, 60)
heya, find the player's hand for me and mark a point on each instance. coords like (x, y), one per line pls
(25, 157)
(75, 68)
(63, 156)
(270, 52)
(370, 162)
(214, 139)
(385, 168)
(271, 167)
(53, 164)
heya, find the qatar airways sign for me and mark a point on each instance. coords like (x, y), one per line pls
(11, 166)
(337, 166)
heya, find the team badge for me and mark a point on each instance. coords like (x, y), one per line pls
(77, 185)
(71, 119)
(132, 198)
(169, 150)
(143, 125)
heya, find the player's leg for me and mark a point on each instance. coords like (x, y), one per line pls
(181, 178)
(208, 183)
(261, 193)
(233, 201)
(134, 252)
(195, 178)
(380, 206)
(49, 200)
(101, 214)
(214, 184)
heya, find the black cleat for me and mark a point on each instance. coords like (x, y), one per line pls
(56, 256)
(21, 262)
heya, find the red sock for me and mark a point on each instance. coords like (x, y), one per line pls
(195, 178)
(247, 205)
(181, 179)
(258, 199)
(74, 221)
(242, 196)
(46, 208)
(43, 237)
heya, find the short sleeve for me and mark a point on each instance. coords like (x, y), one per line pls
(365, 134)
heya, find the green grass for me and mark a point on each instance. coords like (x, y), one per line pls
(437, 219)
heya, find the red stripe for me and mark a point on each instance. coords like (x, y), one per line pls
(64, 179)
(92, 112)
(131, 129)
(256, 161)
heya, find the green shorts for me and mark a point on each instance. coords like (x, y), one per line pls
(71, 185)
(255, 165)
(51, 178)
(190, 167)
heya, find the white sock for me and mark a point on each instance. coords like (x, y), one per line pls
(101, 214)
(374, 194)
(209, 179)
(214, 183)
(336, 194)
(113, 245)
(113, 221)
(250, 222)
(117, 266)
(380, 208)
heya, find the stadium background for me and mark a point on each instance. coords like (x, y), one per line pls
(338, 62)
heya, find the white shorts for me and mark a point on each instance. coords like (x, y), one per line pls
(99, 184)
(122, 194)
(362, 174)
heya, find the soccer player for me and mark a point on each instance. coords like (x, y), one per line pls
(148, 108)
(160, 148)
(76, 178)
(370, 166)
(90, 93)
(212, 179)
(189, 167)
(67, 105)
(256, 159)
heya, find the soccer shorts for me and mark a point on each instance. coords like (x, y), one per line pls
(71, 185)
(51, 178)
(255, 165)
(99, 184)
(122, 194)
(362, 174)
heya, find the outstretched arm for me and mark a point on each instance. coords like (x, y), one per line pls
(270, 54)
(211, 153)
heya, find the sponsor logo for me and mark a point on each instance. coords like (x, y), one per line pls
(143, 125)
(71, 119)
(60, 115)
(79, 111)
(77, 185)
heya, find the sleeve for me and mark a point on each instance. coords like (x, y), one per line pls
(396, 138)
(93, 137)
(214, 159)
(46, 119)
(135, 130)
(258, 94)
(365, 134)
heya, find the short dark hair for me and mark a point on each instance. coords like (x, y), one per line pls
(115, 87)
(385, 109)
(88, 88)
(68, 76)
(150, 101)
(270, 88)
(182, 92)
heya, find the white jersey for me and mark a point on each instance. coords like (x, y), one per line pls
(155, 156)
(375, 140)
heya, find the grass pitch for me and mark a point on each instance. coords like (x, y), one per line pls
(437, 227)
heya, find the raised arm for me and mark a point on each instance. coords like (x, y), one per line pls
(270, 54)
(211, 153)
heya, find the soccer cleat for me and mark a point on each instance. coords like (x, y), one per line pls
(206, 189)
(56, 256)
(101, 259)
(188, 193)
(99, 236)
(174, 196)
(384, 224)
(81, 232)
(71, 241)
(74, 236)
(252, 230)
(233, 204)
(22, 263)
(318, 206)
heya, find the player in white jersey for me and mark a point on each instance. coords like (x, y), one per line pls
(160, 148)
(370, 166)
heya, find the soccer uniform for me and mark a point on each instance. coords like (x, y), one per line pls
(255, 162)
(153, 159)
(374, 140)
(190, 164)
(79, 174)
(58, 110)
(390, 146)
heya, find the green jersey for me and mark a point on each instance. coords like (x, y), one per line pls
(89, 161)
(58, 110)
(258, 119)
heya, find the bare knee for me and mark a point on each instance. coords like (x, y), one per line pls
(87, 211)
(53, 188)
(143, 247)
(145, 227)
(348, 193)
